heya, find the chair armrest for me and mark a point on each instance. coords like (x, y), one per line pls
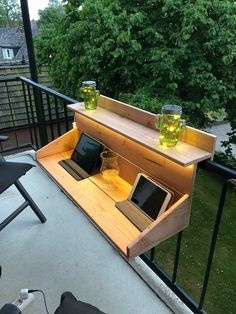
(10, 309)
(3, 138)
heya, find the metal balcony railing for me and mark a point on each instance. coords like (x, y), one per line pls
(33, 115)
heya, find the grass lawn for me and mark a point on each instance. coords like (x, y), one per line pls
(220, 297)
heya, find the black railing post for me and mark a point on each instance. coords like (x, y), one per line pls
(214, 239)
(33, 70)
(177, 254)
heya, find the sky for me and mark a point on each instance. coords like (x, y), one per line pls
(34, 6)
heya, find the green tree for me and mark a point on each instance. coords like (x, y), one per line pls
(149, 52)
(47, 44)
(52, 14)
(10, 13)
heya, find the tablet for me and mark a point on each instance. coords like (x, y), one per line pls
(149, 196)
(87, 152)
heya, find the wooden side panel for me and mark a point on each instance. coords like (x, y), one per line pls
(173, 175)
(63, 143)
(199, 139)
(175, 219)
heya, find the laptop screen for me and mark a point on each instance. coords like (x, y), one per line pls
(149, 197)
(86, 153)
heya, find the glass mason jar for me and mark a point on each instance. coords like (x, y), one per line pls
(89, 94)
(170, 124)
(109, 169)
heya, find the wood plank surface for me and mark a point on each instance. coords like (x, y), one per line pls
(183, 153)
(97, 204)
(190, 135)
(121, 191)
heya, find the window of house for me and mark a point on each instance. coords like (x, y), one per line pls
(7, 53)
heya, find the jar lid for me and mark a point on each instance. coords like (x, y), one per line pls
(171, 109)
(89, 84)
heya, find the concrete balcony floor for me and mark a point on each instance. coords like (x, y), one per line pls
(68, 253)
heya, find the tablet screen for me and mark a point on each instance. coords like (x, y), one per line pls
(149, 197)
(86, 153)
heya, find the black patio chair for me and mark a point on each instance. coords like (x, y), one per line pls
(10, 172)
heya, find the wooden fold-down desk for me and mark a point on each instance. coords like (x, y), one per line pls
(132, 134)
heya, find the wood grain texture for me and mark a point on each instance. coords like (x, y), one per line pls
(63, 143)
(183, 153)
(121, 191)
(97, 204)
(101, 210)
(200, 139)
(140, 159)
(175, 219)
(190, 135)
(131, 133)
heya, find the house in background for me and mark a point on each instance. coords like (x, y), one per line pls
(13, 48)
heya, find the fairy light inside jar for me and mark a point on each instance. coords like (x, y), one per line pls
(170, 125)
(89, 94)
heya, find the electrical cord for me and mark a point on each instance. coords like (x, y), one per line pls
(44, 297)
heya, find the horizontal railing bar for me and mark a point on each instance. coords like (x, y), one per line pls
(9, 79)
(48, 90)
(19, 127)
(217, 168)
(41, 87)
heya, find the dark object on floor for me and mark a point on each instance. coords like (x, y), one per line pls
(10, 173)
(10, 309)
(70, 305)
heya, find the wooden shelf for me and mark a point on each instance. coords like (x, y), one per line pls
(132, 134)
(183, 153)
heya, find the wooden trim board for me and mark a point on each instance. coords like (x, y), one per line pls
(175, 219)
(64, 143)
(190, 135)
(183, 153)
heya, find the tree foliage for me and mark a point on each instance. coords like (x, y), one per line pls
(149, 52)
(10, 13)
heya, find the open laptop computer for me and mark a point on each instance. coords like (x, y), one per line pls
(146, 201)
(85, 159)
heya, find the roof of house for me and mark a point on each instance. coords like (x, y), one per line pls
(14, 38)
(11, 37)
